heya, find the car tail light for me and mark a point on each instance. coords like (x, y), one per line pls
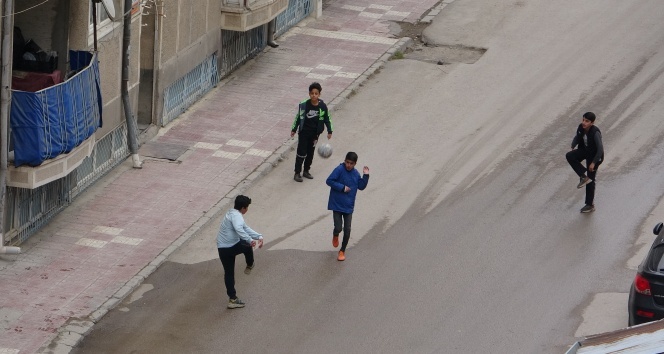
(645, 314)
(642, 285)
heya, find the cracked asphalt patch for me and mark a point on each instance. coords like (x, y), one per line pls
(434, 54)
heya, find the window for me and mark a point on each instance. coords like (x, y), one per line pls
(657, 259)
(105, 24)
(102, 15)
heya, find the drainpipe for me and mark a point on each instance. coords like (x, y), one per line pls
(132, 128)
(271, 29)
(5, 98)
(156, 62)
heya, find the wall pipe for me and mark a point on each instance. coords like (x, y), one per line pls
(132, 128)
(156, 61)
(271, 30)
(5, 98)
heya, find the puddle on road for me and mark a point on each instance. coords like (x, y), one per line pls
(138, 293)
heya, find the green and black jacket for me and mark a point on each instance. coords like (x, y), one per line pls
(324, 119)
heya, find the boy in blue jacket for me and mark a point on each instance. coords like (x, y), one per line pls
(344, 182)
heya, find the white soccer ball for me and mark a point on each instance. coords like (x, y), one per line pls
(325, 150)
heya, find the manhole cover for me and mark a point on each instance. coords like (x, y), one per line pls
(165, 151)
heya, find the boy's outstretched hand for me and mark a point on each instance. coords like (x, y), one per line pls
(365, 170)
(258, 243)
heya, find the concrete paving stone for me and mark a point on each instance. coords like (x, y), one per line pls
(186, 137)
(57, 242)
(159, 260)
(25, 343)
(69, 338)
(16, 300)
(98, 314)
(123, 292)
(9, 350)
(83, 305)
(101, 290)
(198, 206)
(111, 255)
(74, 285)
(149, 269)
(54, 275)
(135, 281)
(108, 304)
(267, 144)
(44, 321)
(57, 349)
(31, 262)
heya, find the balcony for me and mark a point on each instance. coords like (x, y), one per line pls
(53, 128)
(243, 15)
(50, 170)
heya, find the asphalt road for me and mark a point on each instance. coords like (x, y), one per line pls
(469, 237)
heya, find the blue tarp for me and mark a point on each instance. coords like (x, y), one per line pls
(55, 120)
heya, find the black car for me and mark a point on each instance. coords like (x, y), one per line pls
(646, 297)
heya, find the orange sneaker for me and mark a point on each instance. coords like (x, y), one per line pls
(335, 241)
(341, 256)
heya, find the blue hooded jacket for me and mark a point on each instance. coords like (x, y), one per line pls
(340, 178)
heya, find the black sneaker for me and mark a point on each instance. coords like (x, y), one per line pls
(297, 177)
(308, 175)
(583, 181)
(235, 303)
(247, 270)
(588, 209)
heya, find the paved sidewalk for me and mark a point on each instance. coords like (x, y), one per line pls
(120, 230)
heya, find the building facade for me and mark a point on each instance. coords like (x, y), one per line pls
(178, 51)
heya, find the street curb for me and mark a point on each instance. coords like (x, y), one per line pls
(74, 330)
(435, 11)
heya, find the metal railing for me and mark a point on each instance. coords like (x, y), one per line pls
(28, 210)
(238, 47)
(190, 88)
(297, 11)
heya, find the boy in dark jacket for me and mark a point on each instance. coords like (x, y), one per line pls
(310, 121)
(344, 183)
(590, 148)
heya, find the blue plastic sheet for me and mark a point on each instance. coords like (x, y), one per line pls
(55, 120)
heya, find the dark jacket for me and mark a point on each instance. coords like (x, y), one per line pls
(340, 178)
(594, 147)
(324, 119)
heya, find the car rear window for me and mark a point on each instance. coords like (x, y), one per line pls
(657, 259)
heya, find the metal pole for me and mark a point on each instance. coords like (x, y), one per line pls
(94, 22)
(132, 128)
(271, 29)
(5, 98)
(156, 61)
